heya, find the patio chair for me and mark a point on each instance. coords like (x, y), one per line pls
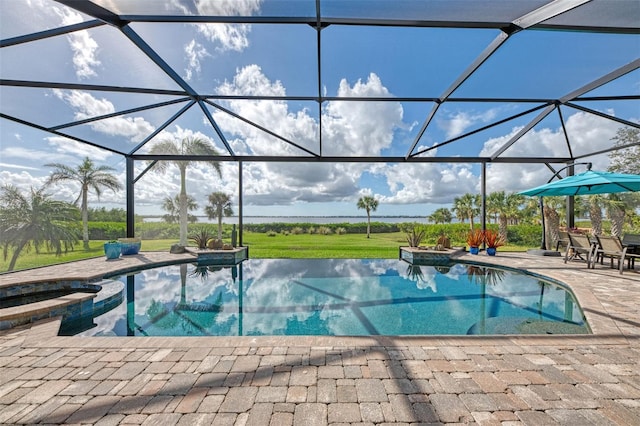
(612, 248)
(563, 240)
(579, 244)
(632, 242)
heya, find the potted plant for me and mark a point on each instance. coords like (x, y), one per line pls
(112, 249)
(475, 238)
(130, 245)
(493, 239)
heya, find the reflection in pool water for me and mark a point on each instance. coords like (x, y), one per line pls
(338, 297)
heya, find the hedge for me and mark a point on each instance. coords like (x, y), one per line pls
(107, 230)
(521, 235)
(149, 230)
(351, 228)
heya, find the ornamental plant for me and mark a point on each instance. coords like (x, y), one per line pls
(475, 238)
(415, 236)
(201, 237)
(493, 239)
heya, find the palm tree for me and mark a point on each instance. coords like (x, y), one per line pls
(172, 207)
(593, 204)
(35, 220)
(370, 204)
(507, 207)
(89, 177)
(219, 205)
(187, 146)
(616, 211)
(466, 207)
(514, 207)
(553, 206)
(494, 203)
(440, 215)
(530, 213)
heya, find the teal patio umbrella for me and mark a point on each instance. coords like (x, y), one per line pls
(587, 183)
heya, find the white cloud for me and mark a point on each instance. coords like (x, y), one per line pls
(30, 156)
(87, 106)
(227, 36)
(352, 128)
(18, 167)
(360, 128)
(23, 180)
(587, 133)
(297, 127)
(195, 52)
(68, 149)
(428, 183)
(83, 46)
(457, 123)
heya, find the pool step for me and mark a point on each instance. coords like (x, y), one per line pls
(70, 307)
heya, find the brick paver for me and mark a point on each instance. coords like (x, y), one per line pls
(509, 380)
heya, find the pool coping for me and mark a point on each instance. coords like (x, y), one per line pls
(603, 326)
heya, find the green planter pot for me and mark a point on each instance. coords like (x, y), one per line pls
(112, 250)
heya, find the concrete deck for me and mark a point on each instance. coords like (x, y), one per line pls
(509, 380)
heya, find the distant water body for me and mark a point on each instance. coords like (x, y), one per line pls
(307, 219)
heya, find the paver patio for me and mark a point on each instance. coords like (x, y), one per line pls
(299, 380)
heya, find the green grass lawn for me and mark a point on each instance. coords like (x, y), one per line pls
(349, 246)
(353, 246)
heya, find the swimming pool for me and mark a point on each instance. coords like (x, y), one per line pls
(339, 297)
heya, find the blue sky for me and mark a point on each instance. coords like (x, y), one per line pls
(281, 60)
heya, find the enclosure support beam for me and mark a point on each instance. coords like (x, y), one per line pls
(570, 202)
(240, 190)
(483, 205)
(130, 199)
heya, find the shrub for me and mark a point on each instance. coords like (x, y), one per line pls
(323, 230)
(201, 237)
(415, 236)
(341, 231)
(271, 233)
(107, 230)
(493, 238)
(524, 235)
(475, 238)
(352, 228)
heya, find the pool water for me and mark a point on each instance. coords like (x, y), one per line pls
(338, 297)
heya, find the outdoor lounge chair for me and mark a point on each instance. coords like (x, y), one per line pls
(632, 242)
(579, 244)
(612, 248)
(563, 240)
